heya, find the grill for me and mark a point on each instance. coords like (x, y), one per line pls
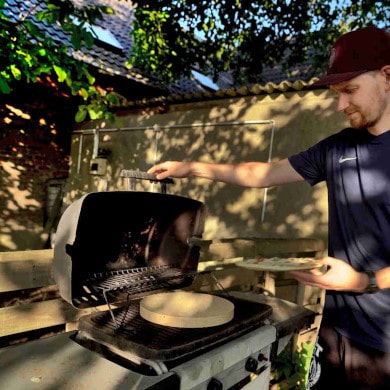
(114, 248)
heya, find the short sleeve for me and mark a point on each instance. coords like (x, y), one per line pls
(311, 163)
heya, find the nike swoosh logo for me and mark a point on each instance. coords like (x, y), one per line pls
(344, 159)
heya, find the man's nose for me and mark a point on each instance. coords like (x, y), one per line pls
(342, 103)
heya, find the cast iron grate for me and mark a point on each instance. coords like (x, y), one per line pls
(129, 331)
(135, 280)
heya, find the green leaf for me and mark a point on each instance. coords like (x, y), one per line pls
(81, 114)
(94, 111)
(84, 93)
(113, 99)
(90, 78)
(60, 72)
(4, 86)
(76, 39)
(88, 38)
(108, 10)
(16, 72)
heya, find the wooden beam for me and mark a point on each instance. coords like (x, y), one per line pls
(27, 317)
(25, 269)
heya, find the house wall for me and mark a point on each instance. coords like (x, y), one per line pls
(34, 160)
(248, 128)
(30, 168)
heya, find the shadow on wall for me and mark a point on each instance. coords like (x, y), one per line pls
(27, 162)
(229, 131)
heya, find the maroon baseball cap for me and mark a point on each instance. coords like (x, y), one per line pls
(355, 53)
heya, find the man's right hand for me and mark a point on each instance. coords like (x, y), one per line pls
(179, 169)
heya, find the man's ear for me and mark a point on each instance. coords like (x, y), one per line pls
(386, 71)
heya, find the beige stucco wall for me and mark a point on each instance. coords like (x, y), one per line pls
(225, 130)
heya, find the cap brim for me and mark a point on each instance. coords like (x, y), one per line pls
(337, 78)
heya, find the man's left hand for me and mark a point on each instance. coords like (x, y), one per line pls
(339, 276)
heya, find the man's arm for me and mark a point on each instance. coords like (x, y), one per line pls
(248, 174)
(383, 277)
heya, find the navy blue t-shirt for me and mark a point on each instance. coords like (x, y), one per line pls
(356, 168)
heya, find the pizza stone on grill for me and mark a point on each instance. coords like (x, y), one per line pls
(184, 309)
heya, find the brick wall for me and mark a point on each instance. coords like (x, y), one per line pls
(34, 148)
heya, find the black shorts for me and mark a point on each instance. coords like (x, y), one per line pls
(339, 363)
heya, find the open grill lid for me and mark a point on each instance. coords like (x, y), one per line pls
(126, 242)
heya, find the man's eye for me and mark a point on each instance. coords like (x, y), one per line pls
(349, 91)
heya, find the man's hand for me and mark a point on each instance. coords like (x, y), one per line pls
(179, 169)
(339, 276)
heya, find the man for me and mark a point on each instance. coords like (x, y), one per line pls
(353, 350)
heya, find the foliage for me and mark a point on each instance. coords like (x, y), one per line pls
(290, 369)
(242, 36)
(29, 55)
(172, 37)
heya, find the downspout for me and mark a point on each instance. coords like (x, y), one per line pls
(96, 136)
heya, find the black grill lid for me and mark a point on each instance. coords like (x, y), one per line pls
(124, 235)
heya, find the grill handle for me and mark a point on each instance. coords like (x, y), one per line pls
(132, 176)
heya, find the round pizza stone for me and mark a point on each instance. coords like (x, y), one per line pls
(183, 309)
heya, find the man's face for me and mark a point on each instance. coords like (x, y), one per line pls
(362, 99)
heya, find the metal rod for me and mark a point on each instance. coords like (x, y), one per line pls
(271, 145)
(156, 129)
(79, 153)
(110, 310)
(181, 126)
(217, 282)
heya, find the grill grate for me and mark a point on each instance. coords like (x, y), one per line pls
(132, 281)
(132, 333)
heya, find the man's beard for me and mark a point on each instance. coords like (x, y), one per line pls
(362, 122)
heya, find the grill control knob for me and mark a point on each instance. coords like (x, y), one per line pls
(251, 365)
(214, 384)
